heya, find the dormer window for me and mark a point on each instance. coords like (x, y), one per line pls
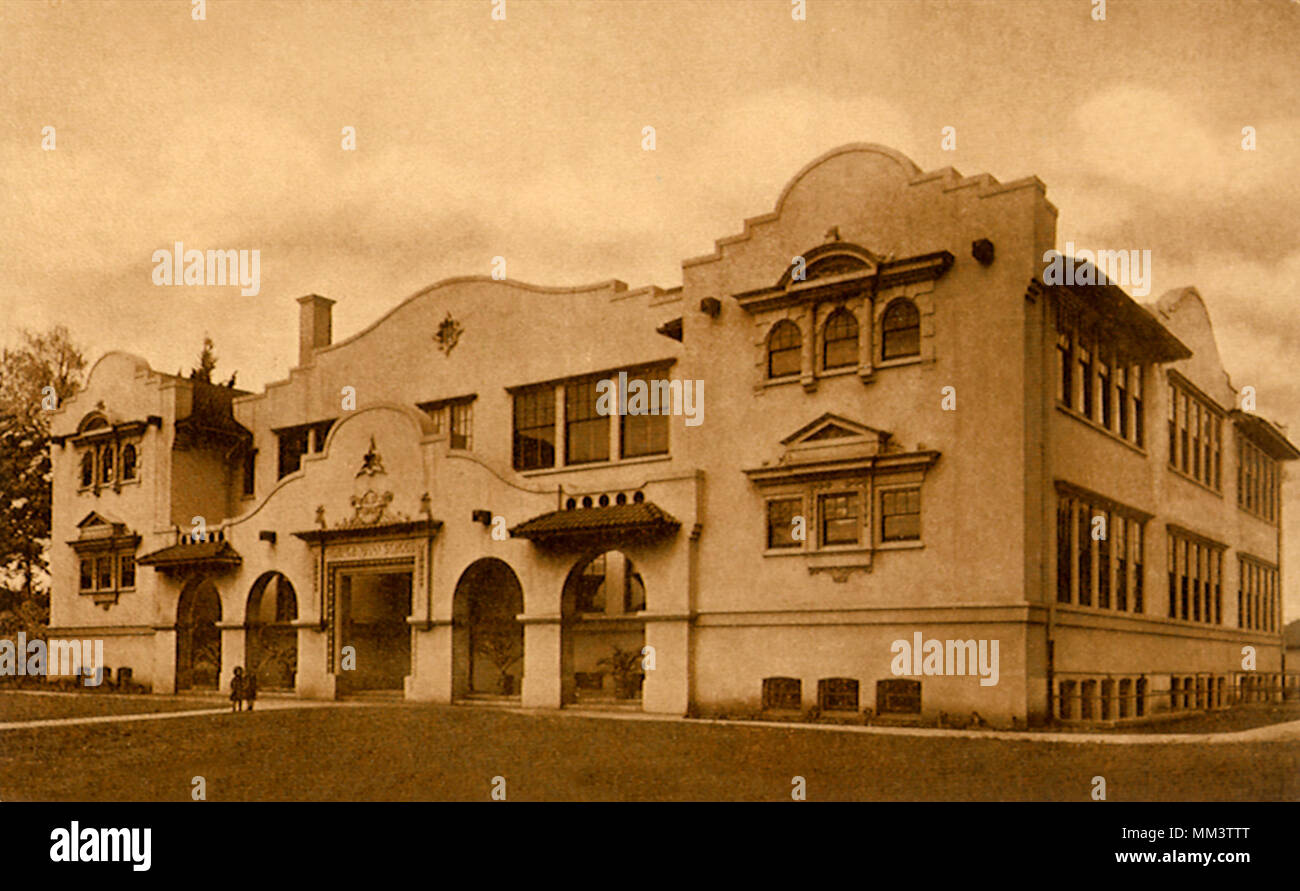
(784, 346)
(900, 330)
(840, 343)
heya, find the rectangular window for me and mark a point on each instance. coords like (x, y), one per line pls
(318, 434)
(1136, 536)
(780, 522)
(1121, 564)
(104, 573)
(250, 471)
(293, 445)
(646, 433)
(1103, 562)
(586, 431)
(1173, 577)
(1139, 419)
(1184, 409)
(1184, 590)
(837, 695)
(1104, 393)
(1085, 555)
(839, 518)
(900, 515)
(1173, 426)
(1122, 399)
(126, 570)
(1194, 558)
(1064, 548)
(1064, 367)
(534, 429)
(1197, 424)
(1218, 453)
(1085, 379)
(461, 415)
(87, 575)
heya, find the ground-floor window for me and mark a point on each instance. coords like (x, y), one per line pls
(837, 694)
(782, 693)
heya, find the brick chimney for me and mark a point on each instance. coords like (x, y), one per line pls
(313, 326)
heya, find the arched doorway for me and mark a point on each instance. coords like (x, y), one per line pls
(488, 638)
(602, 631)
(270, 638)
(198, 640)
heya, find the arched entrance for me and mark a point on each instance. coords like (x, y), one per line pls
(602, 632)
(270, 638)
(487, 636)
(198, 640)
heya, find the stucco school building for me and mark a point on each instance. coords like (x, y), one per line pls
(876, 422)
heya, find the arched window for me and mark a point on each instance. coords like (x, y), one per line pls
(128, 462)
(900, 330)
(88, 469)
(783, 348)
(106, 464)
(840, 342)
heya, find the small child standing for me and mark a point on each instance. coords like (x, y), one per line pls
(250, 688)
(237, 690)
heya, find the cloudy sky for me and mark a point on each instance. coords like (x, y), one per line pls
(522, 138)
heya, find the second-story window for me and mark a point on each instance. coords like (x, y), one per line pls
(129, 461)
(106, 464)
(586, 430)
(460, 418)
(840, 345)
(88, 469)
(784, 346)
(250, 471)
(293, 445)
(534, 439)
(900, 330)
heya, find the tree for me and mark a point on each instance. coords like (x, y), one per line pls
(207, 363)
(36, 377)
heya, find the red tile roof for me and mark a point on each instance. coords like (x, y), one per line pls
(642, 518)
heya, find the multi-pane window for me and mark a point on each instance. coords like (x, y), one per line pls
(784, 346)
(781, 513)
(1097, 381)
(1257, 594)
(782, 693)
(586, 430)
(461, 418)
(900, 330)
(900, 514)
(88, 469)
(106, 464)
(534, 437)
(1257, 480)
(1195, 432)
(104, 573)
(294, 443)
(837, 694)
(1195, 578)
(126, 570)
(129, 462)
(87, 574)
(1098, 554)
(1064, 369)
(840, 341)
(839, 518)
(646, 432)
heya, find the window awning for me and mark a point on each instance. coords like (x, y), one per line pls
(586, 525)
(209, 554)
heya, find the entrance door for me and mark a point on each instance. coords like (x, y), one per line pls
(372, 612)
(198, 640)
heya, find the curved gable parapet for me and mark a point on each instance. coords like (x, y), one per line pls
(1185, 313)
(113, 369)
(867, 169)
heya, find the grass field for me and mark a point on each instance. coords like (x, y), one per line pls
(28, 706)
(416, 752)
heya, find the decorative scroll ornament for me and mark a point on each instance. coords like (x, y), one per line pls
(372, 462)
(371, 509)
(449, 332)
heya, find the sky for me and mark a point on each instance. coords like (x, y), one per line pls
(522, 138)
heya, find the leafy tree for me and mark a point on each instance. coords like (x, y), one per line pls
(35, 377)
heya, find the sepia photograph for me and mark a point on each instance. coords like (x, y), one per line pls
(882, 402)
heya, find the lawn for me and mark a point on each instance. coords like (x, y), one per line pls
(18, 705)
(419, 752)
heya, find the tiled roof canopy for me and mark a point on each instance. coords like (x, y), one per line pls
(580, 525)
(210, 553)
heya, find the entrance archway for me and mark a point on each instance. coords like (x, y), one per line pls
(487, 636)
(198, 639)
(602, 632)
(373, 609)
(270, 638)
